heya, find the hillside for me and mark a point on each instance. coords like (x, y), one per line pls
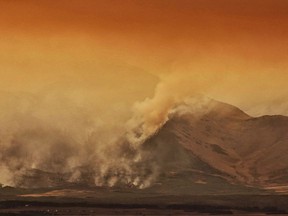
(224, 144)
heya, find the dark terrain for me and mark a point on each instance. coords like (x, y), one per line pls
(99, 201)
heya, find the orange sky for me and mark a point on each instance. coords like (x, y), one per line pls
(233, 50)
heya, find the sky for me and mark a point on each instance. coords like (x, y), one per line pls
(110, 52)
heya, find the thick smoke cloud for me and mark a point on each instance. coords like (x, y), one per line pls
(69, 138)
(152, 113)
(58, 135)
(53, 133)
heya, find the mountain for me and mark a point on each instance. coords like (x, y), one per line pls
(223, 149)
(217, 149)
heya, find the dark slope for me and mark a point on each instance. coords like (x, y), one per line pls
(221, 148)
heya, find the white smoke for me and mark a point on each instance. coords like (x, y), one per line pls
(57, 135)
(64, 136)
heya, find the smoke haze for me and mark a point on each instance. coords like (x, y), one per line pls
(84, 84)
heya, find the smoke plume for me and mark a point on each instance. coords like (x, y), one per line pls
(59, 135)
(69, 138)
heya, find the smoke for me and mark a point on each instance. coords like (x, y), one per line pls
(68, 139)
(179, 93)
(55, 133)
(152, 113)
(52, 138)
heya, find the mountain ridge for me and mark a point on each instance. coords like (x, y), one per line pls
(214, 149)
(243, 148)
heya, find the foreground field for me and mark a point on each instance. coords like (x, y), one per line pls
(107, 202)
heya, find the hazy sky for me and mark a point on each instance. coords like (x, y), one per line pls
(232, 50)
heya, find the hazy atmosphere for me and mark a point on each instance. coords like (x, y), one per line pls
(85, 85)
(235, 51)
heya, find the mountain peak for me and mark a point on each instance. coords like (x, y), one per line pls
(206, 107)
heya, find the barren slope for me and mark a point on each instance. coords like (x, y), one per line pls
(228, 143)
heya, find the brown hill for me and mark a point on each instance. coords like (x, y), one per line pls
(225, 143)
(218, 149)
